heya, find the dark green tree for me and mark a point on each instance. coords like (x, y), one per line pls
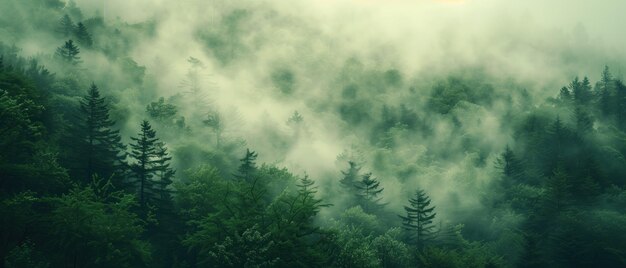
(69, 53)
(99, 149)
(144, 153)
(620, 104)
(606, 91)
(369, 192)
(247, 170)
(350, 176)
(418, 221)
(163, 177)
(558, 191)
(565, 95)
(584, 122)
(66, 26)
(83, 35)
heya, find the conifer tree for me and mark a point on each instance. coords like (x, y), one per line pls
(69, 53)
(350, 176)
(559, 191)
(584, 122)
(163, 175)
(512, 168)
(583, 95)
(99, 147)
(418, 221)
(606, 84)
(247, 169)
(369, 191)
(620, 104)
(83, 35)
(144, 151)
(66, 26)
(349, 181)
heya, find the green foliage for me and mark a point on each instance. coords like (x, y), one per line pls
(418, 221)
(83, 35)
(88, 231)
(151, 169)
(284, 80)
(96, 146)
(68, 53)
(25, 255)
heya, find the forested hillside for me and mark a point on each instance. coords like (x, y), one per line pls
(254, 134)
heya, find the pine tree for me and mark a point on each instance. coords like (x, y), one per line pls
(565, 95)
(69, 53)
(349, 181)
(144, 151)
(583, 96)
(368, 194)
(66, 26)
(559, 191)
(584, 122)
(163, 174)
(99, 147)
(247, 170)
(418, 221)
(83, 35)
(620, 104)
(512, 168)
(351, 176)
(606, 83)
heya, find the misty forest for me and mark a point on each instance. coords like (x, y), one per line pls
(348, 133)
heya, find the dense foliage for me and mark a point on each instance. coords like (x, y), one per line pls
(89, 180)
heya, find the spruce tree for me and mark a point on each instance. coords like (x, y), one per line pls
(247, 169)
(369, 191)
(620, 104)
(512, 168)
(348, 183)
(350, 176)
(83, 35)
(584, 122)
(99, 147)
(418, 221)
(606, 91)
(144, 151)
(69, 53)
(163, 175)
(66, 26)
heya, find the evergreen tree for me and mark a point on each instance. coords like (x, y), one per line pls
(69, 53)
(248, 169)
(83, 35)
(620, 104)
(512, 167)
(66, 26)
(583, 95)
(584, 122)
(350, 176)
(99, 147)
(368, 194)
(418, 221)
(349, 181)
(558, 191)
(144, 152)
(606, 90)
(565, 95)
(163, 174)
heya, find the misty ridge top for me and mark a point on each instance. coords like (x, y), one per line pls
(312, 134)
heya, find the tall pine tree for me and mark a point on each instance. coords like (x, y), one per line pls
(98, 148)
(369, 191)
(418, 221)
(146, 163)
(83, 35)
(68, 52)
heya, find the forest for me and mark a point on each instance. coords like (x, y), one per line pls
(260, 134)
